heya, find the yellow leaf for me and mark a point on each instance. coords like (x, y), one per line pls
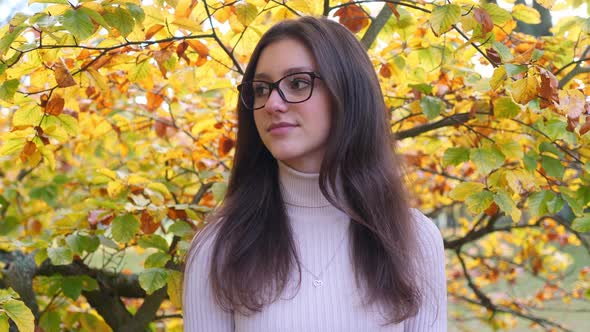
(187, 24)
(107, 172)
(498, 77)
(526, 14)
(114, 188)
(525, 89)
(29, 115)
(98, 79)
(465, 189)
(135, 179)
(175, 284)
(48, 156)
(203, 125)
(161, 188)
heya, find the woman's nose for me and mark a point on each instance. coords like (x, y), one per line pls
(275, 102)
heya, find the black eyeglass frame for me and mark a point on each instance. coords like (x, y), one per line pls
(275, 85)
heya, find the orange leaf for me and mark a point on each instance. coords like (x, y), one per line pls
(585, 127)
(148, 224)
(161, 57)
(225, 145)
(385, 70)
(63, 77)
(160, 127)
(154, 101)
(55, 105)
(176, 214)
(484, 18)
(549, 86)
(185, 7)
(180, 49)
(199, 47)
(393, 9)
(352, 17)
(153, 30)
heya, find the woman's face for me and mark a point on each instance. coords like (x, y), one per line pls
(301, 145)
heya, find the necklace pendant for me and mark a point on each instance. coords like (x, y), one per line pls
(317, 283)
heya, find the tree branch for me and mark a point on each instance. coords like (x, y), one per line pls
(376, 26)
(452, 120)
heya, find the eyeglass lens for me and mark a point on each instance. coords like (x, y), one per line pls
(294, 88)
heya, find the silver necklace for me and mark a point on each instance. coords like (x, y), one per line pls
(317, 281)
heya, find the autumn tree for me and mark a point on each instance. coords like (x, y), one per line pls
(117, 131)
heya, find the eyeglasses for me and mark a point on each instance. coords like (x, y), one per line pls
(293, 88)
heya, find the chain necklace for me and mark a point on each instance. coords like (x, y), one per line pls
(317, 281)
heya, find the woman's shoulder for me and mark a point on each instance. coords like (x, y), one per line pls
(427, 232)
(202, 243)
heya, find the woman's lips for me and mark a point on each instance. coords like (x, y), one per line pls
(282, 129)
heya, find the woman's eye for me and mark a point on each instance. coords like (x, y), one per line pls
(260, 90)
(299, 83)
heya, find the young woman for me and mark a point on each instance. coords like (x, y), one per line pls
(315, 232)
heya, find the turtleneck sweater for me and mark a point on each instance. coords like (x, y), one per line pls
(320, 233)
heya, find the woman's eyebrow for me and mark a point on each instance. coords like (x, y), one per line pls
(285, 73)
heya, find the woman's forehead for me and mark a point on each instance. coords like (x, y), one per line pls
(284, 57)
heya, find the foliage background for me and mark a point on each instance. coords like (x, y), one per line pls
(117, 130)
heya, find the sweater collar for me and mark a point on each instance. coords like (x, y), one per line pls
(300, 189)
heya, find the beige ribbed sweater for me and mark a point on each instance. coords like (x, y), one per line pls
(319, 230)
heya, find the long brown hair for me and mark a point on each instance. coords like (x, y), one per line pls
(253, 252)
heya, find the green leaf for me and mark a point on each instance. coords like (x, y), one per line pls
(498, 15)
(555, 204)
(60, 256)
(120, 19)
(63, 2)
(7, 40)
(505, 108)
(573, 200)
(548, 147)
(478, 202)
(136, 11)
(487, 159)
(153, 279)
(443, 18)
(180, 228)
(431, 106)
(218, 189)
(246, 12)
(552, 167)
(124, 228)
(78, 23)
(69, 124)
(455, 156)
(513, 70)
(153, 241)
(45, 193)
(530, 161)
(81, 243)
(8, 89)
(157, 259)
(20, 314)
(422, 87)
(503, 51)
(96, 17)
(506, 204)
(72, 287)
(8, 225)
(464, 189)
(582, 224)
(537, 202)
(510, 148)
(50, 321)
